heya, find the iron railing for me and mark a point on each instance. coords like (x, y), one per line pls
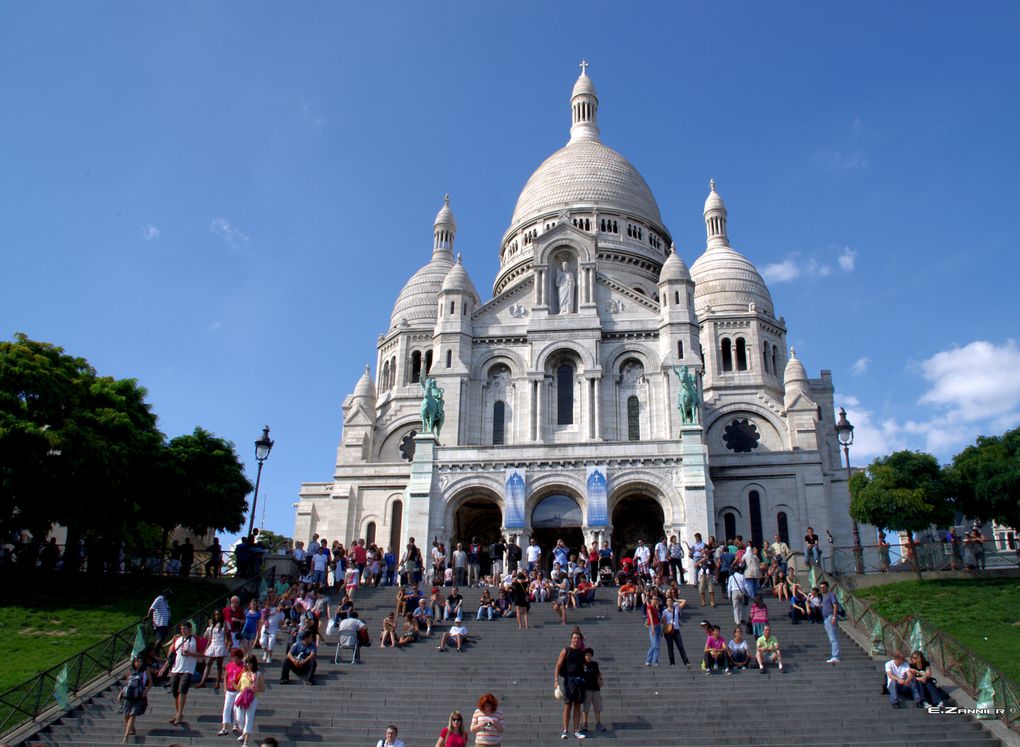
(931, 556)
(53, 689)
(959, 662)
(131, 562)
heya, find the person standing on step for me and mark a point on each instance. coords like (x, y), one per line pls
(570, 666)
(830, 616)
(660, 557)
(487, 722)
(513, 556)
(671, 632)
(496, 552)
(412, 562)
(676, 559)
(534, 555)
(249, 686)
(592, 691)
(185, 651)
(459, 565)
(233, 673)
(519, 590)
(159, 610)
(736, 590)
(474, 562)
(653, 623)
(216, 649)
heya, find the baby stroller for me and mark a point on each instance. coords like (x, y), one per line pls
(605, 576)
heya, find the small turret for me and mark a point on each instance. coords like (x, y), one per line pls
(715, 218)
(584, 108)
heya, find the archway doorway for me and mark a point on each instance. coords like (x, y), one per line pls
(557, 517)
(636, 517)
(477, 517)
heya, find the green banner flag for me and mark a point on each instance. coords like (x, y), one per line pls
(917, 638)
(60, 689)
(986, 695)
(140, 645)
(877, 640)
(812, 579)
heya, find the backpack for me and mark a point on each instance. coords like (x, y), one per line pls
(135, 686)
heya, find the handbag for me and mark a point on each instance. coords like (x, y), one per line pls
(558, 693)
(245, 699)
(667, 629)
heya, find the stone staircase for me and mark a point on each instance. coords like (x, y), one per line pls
(417, 687)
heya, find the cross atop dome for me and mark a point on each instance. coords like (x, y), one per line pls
(584, 107)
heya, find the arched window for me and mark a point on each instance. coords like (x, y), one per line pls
(498, 422)
(741, 354)
(680, 349)
(370, 533)
(676, 297)
(633, 419)
(453, 307)
(565, 394)
(396, 524)
(449, 358)
(415, 366)
(765, 357)
(727, 355)
(729, 525)
(754, 509)
(385, 379)
(782, 528)
(428, 361)
(775, 354)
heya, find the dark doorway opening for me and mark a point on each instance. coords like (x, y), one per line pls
(481, 518)
(556, 517)
(636, 517)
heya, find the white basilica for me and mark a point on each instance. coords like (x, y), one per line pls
(568, 369)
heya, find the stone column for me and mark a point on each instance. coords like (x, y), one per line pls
(697, 489)
(598, 409)
(418, 493)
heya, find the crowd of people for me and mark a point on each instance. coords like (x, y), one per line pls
(300, 612)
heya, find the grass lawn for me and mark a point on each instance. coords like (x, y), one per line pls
(982, 613)
(45, 620)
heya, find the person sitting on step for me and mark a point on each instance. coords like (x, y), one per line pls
(457, 634)
(423, 618)
(922, 682)
(715, 650)
(898, 678)
(389, 628)
(738, 651)
(626, 596)
(409, 633)
(768, 649)
(486, 605)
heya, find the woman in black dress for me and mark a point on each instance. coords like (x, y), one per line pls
(519, 590)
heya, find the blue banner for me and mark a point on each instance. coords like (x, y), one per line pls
(597, 488)
(514, 498)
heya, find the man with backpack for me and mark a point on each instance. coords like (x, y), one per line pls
(496, 552)
(184, 650)
(513, 556)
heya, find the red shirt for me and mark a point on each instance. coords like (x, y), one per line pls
(451, 739)
(359, 554)
(652, 613)
(233, 620)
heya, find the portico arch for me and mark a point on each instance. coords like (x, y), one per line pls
(474, 512)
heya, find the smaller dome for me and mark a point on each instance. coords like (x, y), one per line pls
(674, 269)
(584, 86)
(459, 281)
(713, 202)
(445, 216)
(365, 388)
(795, 374)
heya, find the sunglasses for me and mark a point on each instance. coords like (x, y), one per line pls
(456, 718)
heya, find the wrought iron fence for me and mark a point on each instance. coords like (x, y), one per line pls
(975, 675)
(931, 556)
(54, 688)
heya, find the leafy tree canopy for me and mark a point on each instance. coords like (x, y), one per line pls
(904, 491)
(985, 478)
(274, 541)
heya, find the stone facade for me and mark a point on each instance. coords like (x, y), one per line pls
(571, 364)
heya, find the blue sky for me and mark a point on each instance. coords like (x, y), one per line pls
(223, 199)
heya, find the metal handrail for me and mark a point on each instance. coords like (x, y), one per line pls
(959, 662)
(931, 556)
(135, 562)
(24, 703)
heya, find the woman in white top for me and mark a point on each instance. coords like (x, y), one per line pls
(215, 649)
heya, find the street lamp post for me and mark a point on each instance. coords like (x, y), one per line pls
(845, 435)
(262, 448)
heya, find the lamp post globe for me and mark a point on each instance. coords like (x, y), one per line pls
(845, 436)
(263, 446)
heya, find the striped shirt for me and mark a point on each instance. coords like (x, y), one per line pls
(161, 610)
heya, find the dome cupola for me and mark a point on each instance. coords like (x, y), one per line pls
(365, 388)
(795, 380)
(444, 228)
(674, 269)
(715, 217)
(416, 304)
(458, 281)
(584, 108)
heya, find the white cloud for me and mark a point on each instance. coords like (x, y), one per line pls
(781, 272)
(231, 236)
(150, 232)
(817, 264)
(972, 390)
(860, 366)
(847, 259)
(846, 160)
(214, 327)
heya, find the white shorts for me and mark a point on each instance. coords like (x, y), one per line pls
(268, 641)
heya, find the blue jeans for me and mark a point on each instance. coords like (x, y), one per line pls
(830, 630)
(897, 691)
(813, 554)
(751, 584)
(654, 632)
(481, 610)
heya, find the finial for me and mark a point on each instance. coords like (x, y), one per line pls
(711, 184)
(368, 370)
(446, 200)
(672, 247)
(458, 258)
(793, 352)
(584, 67)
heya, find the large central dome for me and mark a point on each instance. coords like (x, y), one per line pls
(586, 173)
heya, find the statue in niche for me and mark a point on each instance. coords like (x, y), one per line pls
(565, 285)
(432, 416)
(630, 376)
(687, 401)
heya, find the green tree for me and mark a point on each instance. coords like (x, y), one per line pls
(985, 478)
(202, 485)
(906, 491)
(274, 541)
(75, 447)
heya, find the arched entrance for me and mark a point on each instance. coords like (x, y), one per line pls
(556, 517)
(477, 517)
(636, 517)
